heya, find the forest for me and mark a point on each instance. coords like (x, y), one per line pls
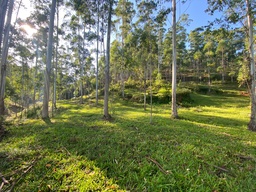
(122, 95)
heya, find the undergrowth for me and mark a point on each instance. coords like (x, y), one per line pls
(207, 149)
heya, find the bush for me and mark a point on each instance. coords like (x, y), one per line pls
(130, 83)
(34, 112)
(183, 96)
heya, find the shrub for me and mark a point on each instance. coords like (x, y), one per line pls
(183, 96)
(130, 83)
(34, 112)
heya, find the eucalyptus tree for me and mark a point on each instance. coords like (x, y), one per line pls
(174, 62)
(196, 44)
(124, 12)
(3, 10)
(24, 55)
(238, 11)
(146, 36)
(4, 54)
(45, 111)
(222, 46)
(55, 67)
(209, 53)
(252, 123)
(181, 41)
(160, 23)
(107, 64)
(97, 55)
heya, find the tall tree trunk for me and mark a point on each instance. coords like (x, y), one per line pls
(151, 91)
(3, 9)
(56, 63)
(82, 69)
(174, 60)
(160, 36)
(4, 58)
(35, 74)
(107, 79)
(22, 88)
(45, 112)
(252, 123)
(223, 66)
(145, 87)
(97, 55)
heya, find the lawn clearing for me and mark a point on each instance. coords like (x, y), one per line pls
(208, 149)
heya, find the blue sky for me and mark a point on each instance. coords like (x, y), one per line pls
(196, 10)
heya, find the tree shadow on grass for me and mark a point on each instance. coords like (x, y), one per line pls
(120, 148)
(188, 152)
(220, 100)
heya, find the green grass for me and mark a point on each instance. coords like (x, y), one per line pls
(208, 149)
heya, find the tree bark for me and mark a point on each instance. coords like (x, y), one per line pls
(107, 78)
(97, 55)
(174, 60)
(252, 123)
(45, 112)
(56, 64)
(35, 74)
(3, 9)
(82, 64)
(145, 86)
(4, 58)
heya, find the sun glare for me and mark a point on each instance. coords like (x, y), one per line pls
(29, 30)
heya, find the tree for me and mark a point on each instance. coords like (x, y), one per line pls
(4, 58)
(252, 123)
(222, 44)
(174, 60)
(3, 9)
(236, 11)
(124, 12)
(107, 64)
(209, 53)
(97, 54)
(45, 112)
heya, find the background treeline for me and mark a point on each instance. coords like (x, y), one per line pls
(140, 52)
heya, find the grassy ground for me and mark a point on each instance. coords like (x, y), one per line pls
(208, 149)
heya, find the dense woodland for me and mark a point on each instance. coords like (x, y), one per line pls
(116, 95)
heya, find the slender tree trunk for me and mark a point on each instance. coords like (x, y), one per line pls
(107, 78)
(252, 123)
(22, 89)
(223, 66)
(4, 58)
(145, 87)
(160, 34)
(174, 60)
(82, 70)
(122, 83)
(56, 63)
(97, 55)
(45, 112)
(3, 9)
(35, 74)
(151, 91)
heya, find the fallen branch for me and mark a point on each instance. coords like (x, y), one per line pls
(64, 149)
(27, 169)
(5, 181)
(166, 172)
(242, 157)
(219, 168)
